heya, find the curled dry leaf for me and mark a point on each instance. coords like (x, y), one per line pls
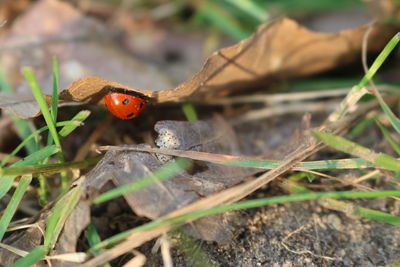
(279, 49)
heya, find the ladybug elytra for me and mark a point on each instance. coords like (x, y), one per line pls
(124, 106)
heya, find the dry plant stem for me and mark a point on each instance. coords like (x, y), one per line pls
(326, 106)
(166, 251)
(367, 176)
(235, 193)
(138, 261)
(270, 99)
(14, 250)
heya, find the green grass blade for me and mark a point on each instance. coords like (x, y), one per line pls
(37, 93)
(377, 216)
(92, 235)
(38, 156)
(61, 211)
(13, 204)
(190, 112)
(274, 200)
(393, 119)
(342, 144)
(93, 239)
(80, 117)
(355, 163)
(245, 205)
(6, 181)
(54, 98)
(345, 207)
(49, 168)
(389, 138)
(25, 129)
(33, 135)
(379, 61)
(360, 127)
(165, 172)
(222, 19)
(33, 257)
(251, 8)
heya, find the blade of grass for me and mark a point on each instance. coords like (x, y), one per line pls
(358, 91)
(54, 98)
(61, 211)
(393, 119)
(244, 205)
(13, 204)
(33, 257)
(360, 127)
(92, 235)
(165, 172)
(222, 19)
(230, 160)
(348, 208)
(37, 93)
(7, 180)
(355, 163)
(80, 117)
(363, 212)
(379, 61)
(342, 144)
(93, 238)
(189, 111)
(251, 8)
(34, 134)
(389, 138)
(49, 168)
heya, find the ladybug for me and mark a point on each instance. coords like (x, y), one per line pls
(125, 106)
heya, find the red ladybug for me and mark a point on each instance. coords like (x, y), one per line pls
(124, 106)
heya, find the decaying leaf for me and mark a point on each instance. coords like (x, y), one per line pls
(279, 49)
(124, 167)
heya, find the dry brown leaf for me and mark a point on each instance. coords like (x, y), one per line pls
(124, 167)
(278, 50)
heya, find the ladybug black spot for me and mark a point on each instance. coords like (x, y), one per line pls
(130, 114)
(126, 101)
(141, 105)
